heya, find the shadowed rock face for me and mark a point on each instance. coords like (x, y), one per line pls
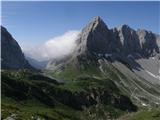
(97, 38)
(119, 43)
(128, 39)
(11, 53)
(148, 42)
(93, 37)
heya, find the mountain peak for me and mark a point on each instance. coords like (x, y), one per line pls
(3, 28)
(97, 38)
(12, 56)
(97, 19)
(123, 27)
(94, 37)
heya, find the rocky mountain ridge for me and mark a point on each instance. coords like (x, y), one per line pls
(119, 43)
(98, 39)
(12, 56)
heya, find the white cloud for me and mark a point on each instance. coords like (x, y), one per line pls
(54, 48)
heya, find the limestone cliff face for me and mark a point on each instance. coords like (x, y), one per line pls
(149, 42)
(97, 38)
(93, 37)
(12, 56)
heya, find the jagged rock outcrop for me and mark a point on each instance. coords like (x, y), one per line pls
(148, 42)
(128, 39)
(116, 44)
(93, 37)
(12, 56)
(96, 38)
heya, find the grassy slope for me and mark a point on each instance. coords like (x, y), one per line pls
(20, 90)
(27, 106)
(87, 76)
(143, 114)
(110, 73)
(25, 110)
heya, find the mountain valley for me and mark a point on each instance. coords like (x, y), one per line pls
(112, 74)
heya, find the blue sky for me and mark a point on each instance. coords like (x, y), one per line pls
(32, 23)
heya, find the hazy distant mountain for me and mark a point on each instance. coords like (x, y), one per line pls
(37, 64)
(12, 56)
(121, 54)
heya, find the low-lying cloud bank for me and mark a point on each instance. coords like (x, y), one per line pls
(54, 48)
